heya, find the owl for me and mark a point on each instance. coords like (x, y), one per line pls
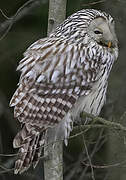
(61, 76)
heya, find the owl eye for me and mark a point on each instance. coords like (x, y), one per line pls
(98, 32)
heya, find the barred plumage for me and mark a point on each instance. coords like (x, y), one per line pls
(62, 75)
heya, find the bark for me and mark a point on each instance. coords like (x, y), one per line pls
(53, 168)
(57, 13)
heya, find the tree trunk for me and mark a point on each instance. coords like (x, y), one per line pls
(57, 13)
(53, 168)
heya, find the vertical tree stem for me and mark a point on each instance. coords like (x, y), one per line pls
(57, 13)
(53, 168)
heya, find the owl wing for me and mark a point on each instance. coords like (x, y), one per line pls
(54, 74)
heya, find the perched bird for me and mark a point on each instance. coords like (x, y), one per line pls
(61, 76)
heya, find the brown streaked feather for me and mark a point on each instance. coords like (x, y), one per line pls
(30, 142)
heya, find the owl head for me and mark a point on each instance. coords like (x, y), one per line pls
(89, 25)
(102, 31)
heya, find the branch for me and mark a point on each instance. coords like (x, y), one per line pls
(103, 123)
(94, 3)
(21, 12)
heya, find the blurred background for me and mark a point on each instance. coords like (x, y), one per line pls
(106, 147)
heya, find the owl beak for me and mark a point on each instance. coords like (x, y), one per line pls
(109, 44)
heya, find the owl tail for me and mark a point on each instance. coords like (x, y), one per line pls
(30, 142)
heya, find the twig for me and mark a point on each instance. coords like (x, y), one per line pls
(87, 153)
(93, 3)
(89, 158)
(21, 12)
(104, 123)
(95, 149)
(104, 166)
(4, 15)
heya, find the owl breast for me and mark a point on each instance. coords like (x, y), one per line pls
(94, 101)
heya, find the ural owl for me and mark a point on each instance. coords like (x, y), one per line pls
(62, 75)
